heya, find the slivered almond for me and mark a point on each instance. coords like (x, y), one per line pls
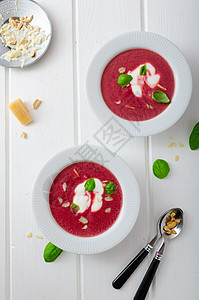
(64, 186)
(161, 87)
(170, 145)
(67, 204)
(104, 181)
(20, 25)
(118, 102)
(29, 27)
(40, 237)
(23, 135)
(22, 41)
(11, 41)
(32, 53)
(151, 106)
(29, 235)
(147, 106)
(36, 103)
(129, 106)
(60, 200)
(108, 210)
(122, 70)
(180, 144)
(176, 158)
(85, 227)
(108, 198)
(83, 220)
(75, 171)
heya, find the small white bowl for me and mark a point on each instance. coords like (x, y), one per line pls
(158, 44)
(127, 217)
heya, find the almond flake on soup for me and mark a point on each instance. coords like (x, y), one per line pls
(108, 198)
(83, 220)
(108, 210)
(64, 186)
(67, 204)
(60, 200)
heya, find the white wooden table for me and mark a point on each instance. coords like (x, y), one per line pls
(64, 119)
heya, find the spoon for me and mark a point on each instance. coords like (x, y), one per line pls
(148, 278)
(132, 266)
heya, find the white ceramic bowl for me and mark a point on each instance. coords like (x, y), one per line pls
(158, 44)
(81, 245)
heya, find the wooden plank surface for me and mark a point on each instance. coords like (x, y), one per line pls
(51, 81)
(99, 21)
(64, 118)
(178, 21)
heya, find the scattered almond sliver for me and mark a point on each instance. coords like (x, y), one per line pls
(170, 145)
(85, 227)
(83, 220)
(108, 198)
(64, 186)
(108, 210)
(118, 102)
(122, 70)
(75, 171)
(36, 103)
(180, 144)
(67, 204)
(60, 200)
(176, 158)
(161, 87)
(23, 135)
(40, 237)
(29, 235)
(129, 106)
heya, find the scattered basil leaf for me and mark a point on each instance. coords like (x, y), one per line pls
(51, 252)
(143, 70)
(161, 97)
(110, 188)
(194, 138)
(124, 79)
(160, 168)
(90, 185)
(74, 208)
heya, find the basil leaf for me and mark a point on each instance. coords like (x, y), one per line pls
(74, 208)
(90, 185)
(51, 252)
(161, 168)
(124, 79)
(194, 138)
(110, 188)
(143, 70)
(161, 97)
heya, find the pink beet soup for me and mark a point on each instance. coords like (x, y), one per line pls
(134, 102)
(79, 211)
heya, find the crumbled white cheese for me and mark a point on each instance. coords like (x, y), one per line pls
(21, 41)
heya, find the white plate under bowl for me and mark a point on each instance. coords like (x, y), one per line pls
(158, 44)
(40, 18)
(82, 245)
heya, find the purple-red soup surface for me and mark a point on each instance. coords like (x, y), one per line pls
(135, 101)
(78, 211)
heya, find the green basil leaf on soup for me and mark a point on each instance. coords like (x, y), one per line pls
(74, 208)
(143, 70)
(51, 252)
(161, 168)
(124, 79)
(160, 97)
(110, 188)
(194, 138)
(90, 185)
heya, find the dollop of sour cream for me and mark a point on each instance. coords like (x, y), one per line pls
(138, 81)
(83, 198)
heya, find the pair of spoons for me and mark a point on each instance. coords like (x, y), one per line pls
(160, 234)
